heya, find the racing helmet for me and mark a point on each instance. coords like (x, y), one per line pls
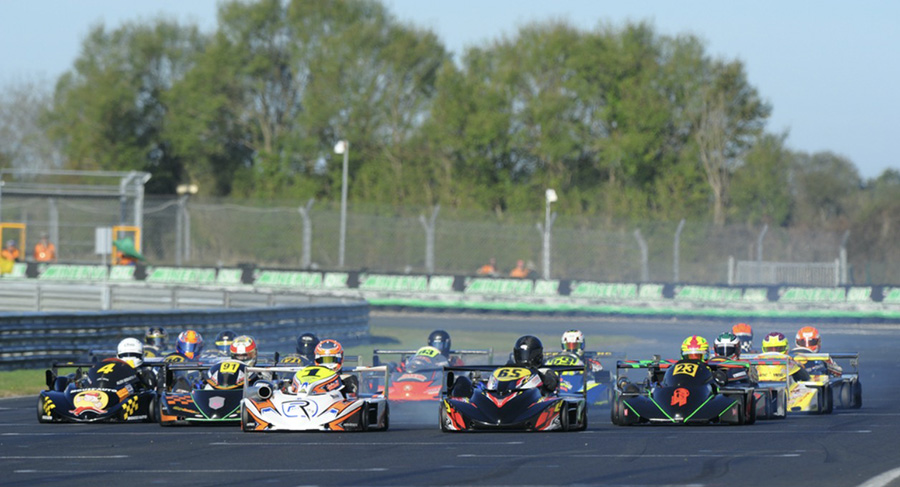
(440, 340)
(131, 350)
(156, 336)
(189, 344)
(573, 341)
(223, 341)
(727, 345)
(694, 347)
(330, 354)
(745, 334)
(243, 349)
(808, 338)
(775, 342)
(306, 345)
(528, 352)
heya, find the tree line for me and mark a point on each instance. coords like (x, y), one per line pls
(626, 124)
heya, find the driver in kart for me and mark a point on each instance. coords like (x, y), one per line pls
(438, 340)
(330, 354)
(188, 347)
(573, 342)
(528, 352)
(775, 346)
(131, 351)
(727, 348)
(745, 334)
(809, 341)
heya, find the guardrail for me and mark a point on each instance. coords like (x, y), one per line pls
(30, 340)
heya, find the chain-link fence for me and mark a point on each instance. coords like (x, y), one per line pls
(196, 231)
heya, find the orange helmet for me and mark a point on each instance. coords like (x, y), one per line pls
(330, 353)
(189, 344)
(745, 334)
(808, 338)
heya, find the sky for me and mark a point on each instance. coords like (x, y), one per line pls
(829, 68)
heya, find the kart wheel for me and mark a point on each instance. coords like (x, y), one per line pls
(751, 408)
(387, 417)
(584, 420)
(152, 412)
(826, 402)
(364, 417)
(857, 394)
(844, 395)
(442, 419)
(40, 411)
(245, 418)
(564, 416)
(616, 409)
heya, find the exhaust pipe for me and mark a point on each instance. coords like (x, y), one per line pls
(261, 392)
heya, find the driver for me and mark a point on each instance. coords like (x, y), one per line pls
(223, 342)
(306, 346)
(155, 341)
(695, 348)
(187, 348)
(573, 342)
(440, 340)
(727, 348)
(131, 351)
(775, 346)
(809, 341)
(330, 354)
(528, 352)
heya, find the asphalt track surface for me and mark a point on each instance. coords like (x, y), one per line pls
(847, 448)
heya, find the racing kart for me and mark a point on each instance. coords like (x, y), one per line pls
(315, 402)
(202, 393)
(599, 386)
(110, 390)
(844, 381)
(679, 392)
(422, 374)
(510, 399)
(812, 396)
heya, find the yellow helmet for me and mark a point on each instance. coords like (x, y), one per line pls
(694, 347)
(775, 342)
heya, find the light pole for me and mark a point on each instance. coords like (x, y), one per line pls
(343, 147)
(183, 224)
(550, 196)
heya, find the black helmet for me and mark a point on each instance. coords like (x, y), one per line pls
(223, 341)
(306, 345)
(528, 352)
(440, 340)
(156, 337)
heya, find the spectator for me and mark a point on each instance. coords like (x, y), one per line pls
(519, 271)
(489, 269)
(10, 252)
(44, 250)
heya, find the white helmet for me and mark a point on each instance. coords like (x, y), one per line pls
(131, 350)
(573, 341)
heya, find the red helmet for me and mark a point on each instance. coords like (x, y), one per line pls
(808, 338)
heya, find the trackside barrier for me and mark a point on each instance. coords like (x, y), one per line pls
(31, 340)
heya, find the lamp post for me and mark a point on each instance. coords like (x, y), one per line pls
(550, 197)
(343, 147)
(183, 224)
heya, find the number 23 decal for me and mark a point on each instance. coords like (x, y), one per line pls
(688, 369)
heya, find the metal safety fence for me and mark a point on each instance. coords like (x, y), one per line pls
(203, 232)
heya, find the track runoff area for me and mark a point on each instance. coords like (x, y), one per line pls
(847, 448)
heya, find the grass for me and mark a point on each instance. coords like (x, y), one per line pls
(31, 382)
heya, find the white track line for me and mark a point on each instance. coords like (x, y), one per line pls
(208, 471)
(367, 443)
(642, 455)
(883, 479)
(62, 457)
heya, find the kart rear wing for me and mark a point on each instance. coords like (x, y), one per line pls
(51, 374)
(406, 353)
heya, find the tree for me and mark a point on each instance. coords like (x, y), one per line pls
(23, 140)
(109, 111)
(825, 187)
(760, 190)
(731, 116)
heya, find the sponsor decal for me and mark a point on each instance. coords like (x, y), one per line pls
(412, 377)
(216, 402)
(89, 401)
(295, 408)
(680, 396)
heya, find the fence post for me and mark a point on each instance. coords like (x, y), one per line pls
(676, 252)
(306, 253)
(645, 271)
(429, 226)
(843, 257)
(731, 270)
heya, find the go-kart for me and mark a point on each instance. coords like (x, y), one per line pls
(511, 398)
(316, 402)
(599, 386)
(419, 374)
(679, 392)
(777, 372)
(111, 390)
(844, 380)
(202, 393)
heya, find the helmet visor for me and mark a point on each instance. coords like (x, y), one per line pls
(328, 359)
(810, 343)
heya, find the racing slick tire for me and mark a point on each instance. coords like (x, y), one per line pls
(781, 405)
(245, 418)
(564, 416)
(387, 417)
(443, 419)
(857, 394)
(152, 411)
(40, 411)
(751, 408)
(584, 420)
(364, 417)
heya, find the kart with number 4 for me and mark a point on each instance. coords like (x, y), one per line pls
(110, 391)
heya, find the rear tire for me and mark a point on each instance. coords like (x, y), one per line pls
(387, 417)
(564, 416)
(827, 400)
(857, 394)
(364, 417)
(443, 419)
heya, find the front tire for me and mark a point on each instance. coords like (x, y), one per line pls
(40, 411)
